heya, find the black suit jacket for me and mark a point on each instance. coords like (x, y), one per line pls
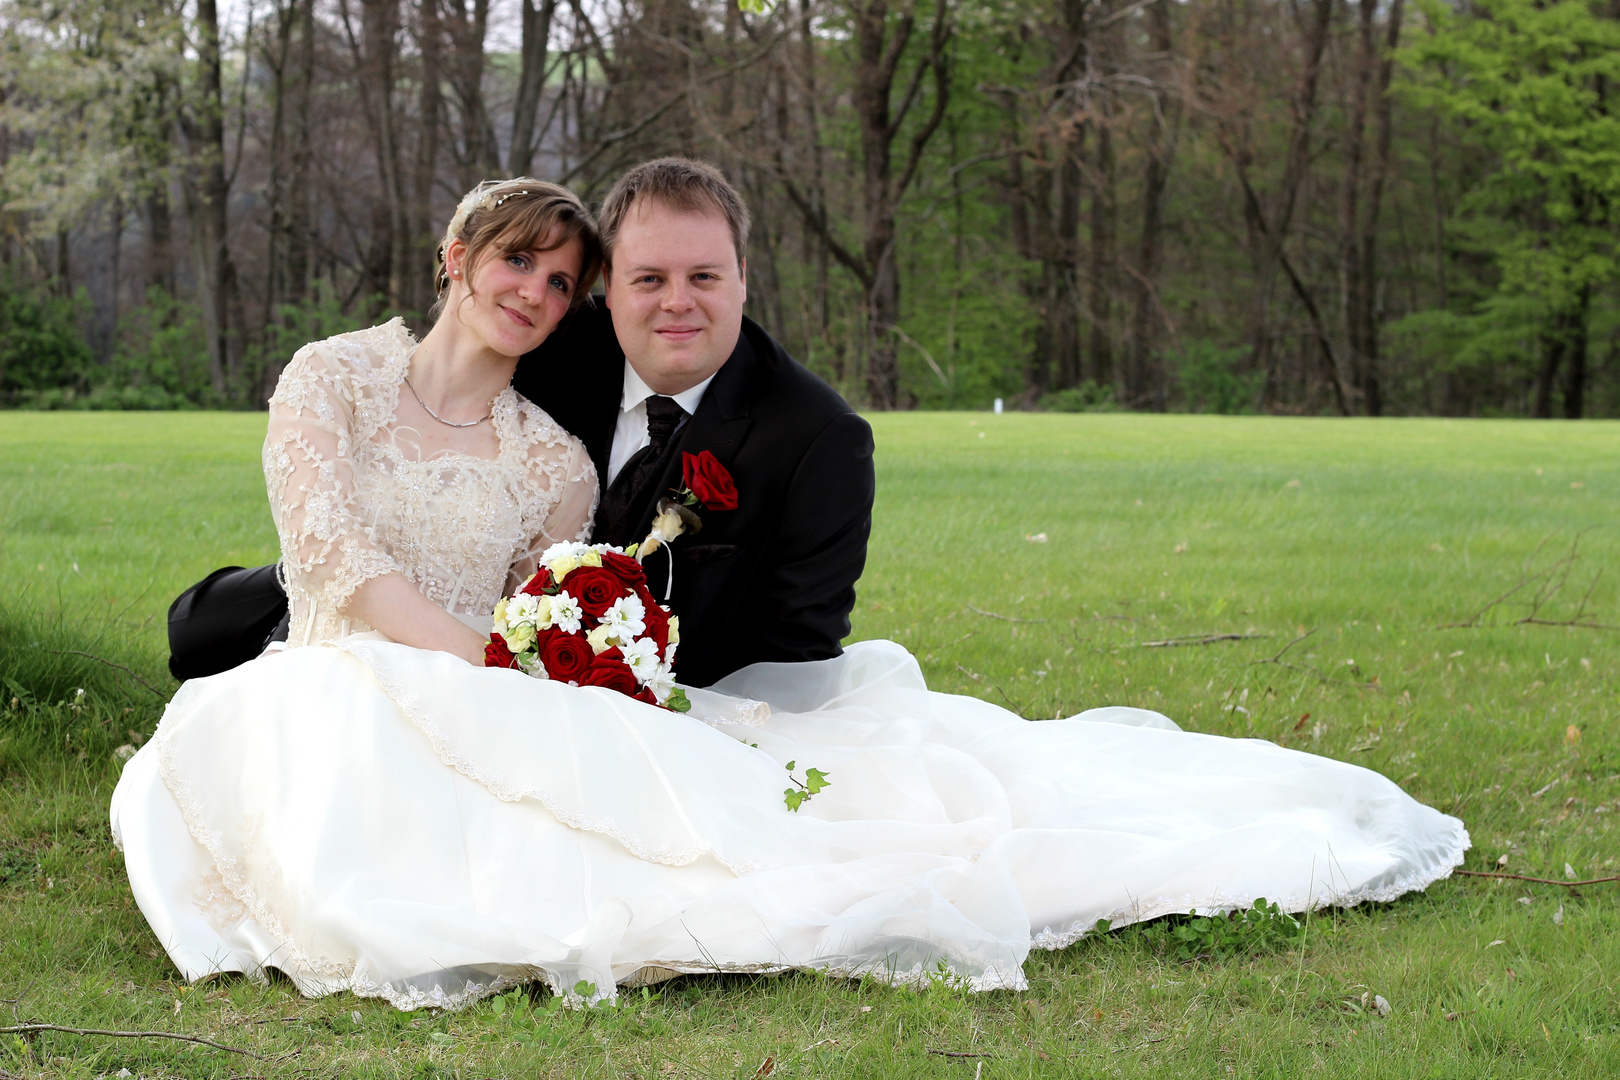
(774, 579)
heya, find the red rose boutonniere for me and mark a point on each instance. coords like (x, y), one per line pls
(706, 483)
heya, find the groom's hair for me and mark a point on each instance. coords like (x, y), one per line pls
(682, 185)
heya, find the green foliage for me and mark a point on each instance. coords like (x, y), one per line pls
(43, 354)
(1529, 81)
(803, 791)
(1211, 379)
(1087, 397)
(1259, 928)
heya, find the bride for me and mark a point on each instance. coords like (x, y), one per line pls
(371, 810)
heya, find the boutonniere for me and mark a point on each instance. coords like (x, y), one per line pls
(704, 483)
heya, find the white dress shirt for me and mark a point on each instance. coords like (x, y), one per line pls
(630, 435)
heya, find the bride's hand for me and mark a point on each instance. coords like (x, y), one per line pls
(394, 606)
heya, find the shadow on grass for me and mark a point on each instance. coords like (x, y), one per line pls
(67, 693)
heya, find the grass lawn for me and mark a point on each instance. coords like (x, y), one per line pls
(1029, 559)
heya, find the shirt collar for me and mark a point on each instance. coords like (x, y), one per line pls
(636, 391)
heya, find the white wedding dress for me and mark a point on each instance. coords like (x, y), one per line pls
(369, 817)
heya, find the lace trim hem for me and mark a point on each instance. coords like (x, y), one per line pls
(1146, 910)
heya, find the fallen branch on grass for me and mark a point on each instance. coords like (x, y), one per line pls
(109, 663)
(1545, 584)
(1197, 639)
(957, 1053)
(29, 1029)
(1003, 618)
(1537, 880)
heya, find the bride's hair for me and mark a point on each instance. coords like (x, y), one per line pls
(500, 217)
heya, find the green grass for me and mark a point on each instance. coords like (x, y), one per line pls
(1156, 528)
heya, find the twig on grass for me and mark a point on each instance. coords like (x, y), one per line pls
(1546, 585)
(957, 1053)
(28, 1029)
(1197, 639)
(1003, 618)
(109, 663)
(1537, 880)
(14, 1002)
(1308, 669)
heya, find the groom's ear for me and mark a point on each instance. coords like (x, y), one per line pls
(742, 271)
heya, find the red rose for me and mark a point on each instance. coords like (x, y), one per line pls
(646, 694)
(498, 654)
(566, 656)
(709, 481)
(609, 669)
(626, 569)
(595, 588)
(538, 584)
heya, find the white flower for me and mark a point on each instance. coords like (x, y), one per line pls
(642, 657)
(627, 616)
(674, 629)
(499, 619)
(534, 667)
(566, 613)
(662, 682)
(524, 609)
(561, 548)
(669, 651)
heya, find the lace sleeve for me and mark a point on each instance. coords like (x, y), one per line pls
(327, 551)
(571, 512)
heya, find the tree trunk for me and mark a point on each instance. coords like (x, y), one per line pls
(467, 27)
(299, 193)
(1144, 375)
(1358, 223)
(425, 231)
(1269, 230)
(879, 49)
(531, 84)
(1103, 259)
(375, 55)
(207, 196)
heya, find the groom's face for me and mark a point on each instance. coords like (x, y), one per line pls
(676, 290)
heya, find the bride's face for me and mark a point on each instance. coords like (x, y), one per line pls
(513, 301)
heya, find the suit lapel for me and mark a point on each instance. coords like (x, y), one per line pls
(719, 426)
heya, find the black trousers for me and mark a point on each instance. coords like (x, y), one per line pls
(224, 620)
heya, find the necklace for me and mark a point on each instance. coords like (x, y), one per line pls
(440, 419)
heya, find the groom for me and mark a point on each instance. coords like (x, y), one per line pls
(671, 367)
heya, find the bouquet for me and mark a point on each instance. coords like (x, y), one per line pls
(586, 618)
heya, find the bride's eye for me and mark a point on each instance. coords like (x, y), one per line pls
(559, 283)
(518, 262)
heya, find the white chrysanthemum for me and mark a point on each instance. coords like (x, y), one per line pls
(642, 657)
(669, 651)
(627, 616)
(566, 613)
(662, 682)
(561, 548)
(523, 609)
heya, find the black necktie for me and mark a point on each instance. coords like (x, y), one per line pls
(629, 489)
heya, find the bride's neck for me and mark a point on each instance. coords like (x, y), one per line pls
(456, 373)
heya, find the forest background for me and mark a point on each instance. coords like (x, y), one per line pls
(1375, 207)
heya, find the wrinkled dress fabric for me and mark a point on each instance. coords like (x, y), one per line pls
(369, 817)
